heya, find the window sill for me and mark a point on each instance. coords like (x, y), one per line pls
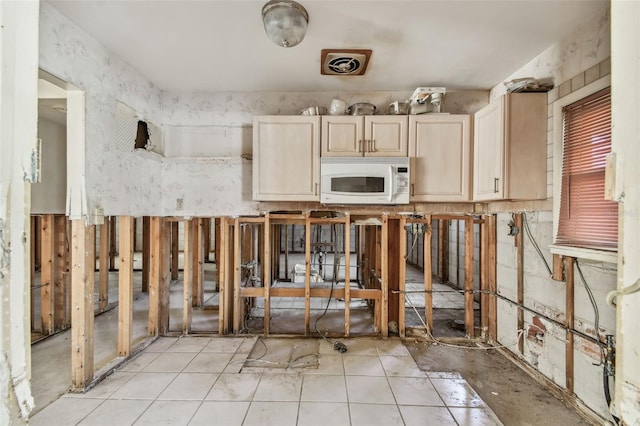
(585, 253)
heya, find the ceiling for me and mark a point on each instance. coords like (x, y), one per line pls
(220, 45)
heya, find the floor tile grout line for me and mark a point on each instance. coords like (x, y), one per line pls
(391, 388)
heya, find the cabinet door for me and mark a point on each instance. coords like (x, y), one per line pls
(385, 135)
(286, 158)
(342, 136)
(488, 152)
(440, 155)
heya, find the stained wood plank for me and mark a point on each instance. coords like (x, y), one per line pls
(82, 315)
(520, 277)
(47, 272)
(146, 252)
(558, 268)
(159, 277)
(236, 276)
(428, 274)
(187, 274)
(484, 272)
(384, 274)
(491, 277)
(569, 317)
(207, 238)
(468, 278)
(113, 248)
(175, 239)
(401, 261)
(266, 271)
(61, 308)
(125, 285)
(198, 266)
(347, 274)
(307, 276)
(221, 263)
(103, 258)
(443, 250)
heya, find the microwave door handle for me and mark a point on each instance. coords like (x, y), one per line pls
(390, 183)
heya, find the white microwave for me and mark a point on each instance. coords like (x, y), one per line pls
(364, 180)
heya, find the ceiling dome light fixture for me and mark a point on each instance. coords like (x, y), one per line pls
(285, 22)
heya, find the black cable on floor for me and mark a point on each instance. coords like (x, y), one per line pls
(338, 346)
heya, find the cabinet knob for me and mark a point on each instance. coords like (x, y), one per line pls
(373, 145)
(315, 191)
(495, 185)
(360, 145)
(413, 189)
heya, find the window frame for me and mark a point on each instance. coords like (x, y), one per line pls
(608, 256)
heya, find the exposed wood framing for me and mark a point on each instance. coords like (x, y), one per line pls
(307, 276)
(221, 263)
(198, 266)
(159, 277)
(443, 250)
(61, 316)
(569, 318)
(206, 226)
(384, 273)
(190, 229)
(484, 280)
(468, 278)
(125, 285)
(492, 287)
(175, 239)
(558, 268)
(113, 248)
(237, 309)
(266, 273)
(402, 275)
(428, 274)
(103, 257)
(146, 252)
(47, 273)
(32, 266)
(347, 274)
(82, 283)
(216, 248)
(395, 298)
(519, 242)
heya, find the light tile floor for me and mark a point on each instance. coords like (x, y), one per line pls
(202, 381)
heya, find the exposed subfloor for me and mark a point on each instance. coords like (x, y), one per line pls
(202, 380)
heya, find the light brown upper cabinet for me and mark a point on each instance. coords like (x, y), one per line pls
(510, 152)
(286, 158)
(368, 135)
(440, 155)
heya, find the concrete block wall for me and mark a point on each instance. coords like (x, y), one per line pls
(546, 298)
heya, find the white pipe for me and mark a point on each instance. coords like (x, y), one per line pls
(633, 288)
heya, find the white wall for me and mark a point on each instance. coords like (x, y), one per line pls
(626, 144)
(571, 63)
(18, 131)
(49, 195)
(122, 183)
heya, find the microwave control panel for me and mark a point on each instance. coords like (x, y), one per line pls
(402, 180)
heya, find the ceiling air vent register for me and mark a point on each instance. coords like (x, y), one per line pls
(344, 62)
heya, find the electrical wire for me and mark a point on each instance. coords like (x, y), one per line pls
(596, 312)
(413, 245)
(451, 345)
(338, 346)
(534, 243)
